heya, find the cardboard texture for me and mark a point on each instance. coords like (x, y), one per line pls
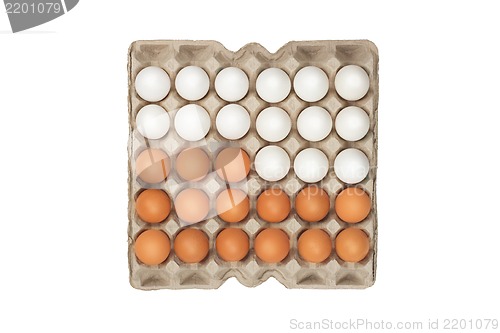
(293, 272)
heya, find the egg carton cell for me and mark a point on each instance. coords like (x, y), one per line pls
(293, 271)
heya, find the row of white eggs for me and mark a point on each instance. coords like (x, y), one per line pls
(273, 85)
(311, 165)
(273, 124)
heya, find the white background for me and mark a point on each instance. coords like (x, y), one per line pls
(63, 134)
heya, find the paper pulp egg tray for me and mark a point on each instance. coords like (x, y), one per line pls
(293, 271)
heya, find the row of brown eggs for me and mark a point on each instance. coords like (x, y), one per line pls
(312, 204)
(192, 164)
(152, 247)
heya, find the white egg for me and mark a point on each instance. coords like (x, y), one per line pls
(192, 122)
(272, 163)
(152, 84)
(311, 165)
(152, 121)
(314, 123)
(232, 121)
(231, 84)
(311, 84)
(192, 83)
(351, 166)
(352, 123)
(273, 85)
(352, 82)
(273, 124)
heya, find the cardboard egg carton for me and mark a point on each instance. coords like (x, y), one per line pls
(293, 272)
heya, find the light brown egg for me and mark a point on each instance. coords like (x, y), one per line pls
(232, 244)
(152, 165)
(192, 164)
(232, 205)
(352, 205)
(273, 205)
(272, 245)
(314, 245)
(191, 245)
(152, 247)
(312, 204)
(192, 205)
(352, 245)
(152, 206)
(232, 164)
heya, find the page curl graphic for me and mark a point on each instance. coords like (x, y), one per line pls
(26, 14)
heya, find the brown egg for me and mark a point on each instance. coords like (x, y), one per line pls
(232, 244)
(191, 245)
(192, 205)
(352, 205)
(152, 247)
(272, 245)
(314, 245)
(192, 164)
(273, 205)
(232, 205)
(152, 165)
(312, 204)
(352, 245)
(232, 164)
(152, 206)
